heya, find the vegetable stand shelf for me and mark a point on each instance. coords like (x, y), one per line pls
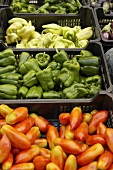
(47, 6)
(95, 48)
(103, 20)
(85, 18)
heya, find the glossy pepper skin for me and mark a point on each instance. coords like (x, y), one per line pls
(39, 122)
(24, 56)
(45, 152)
(76, 90)
(62, 131)
(43, 60)
(90, 154)
(105, 160)
(89, 70)
(15, 137)
(35, 92)
(100, 116)
(30, 79)
(33, 134)
(56, 157)
(101, 129)
(95, 80)
(7, 69)
(7, 164)
(8, 91)
(86, 117)
(5, 110)
(111, 167)
(68, 146)
(70, 163)
(25, 125)
(93, 139)
(65, 77)
(10, 78)
(5, 148)
(2, 122)
(69, 133)
(52, 166)
(60, 57)
(26, 166)
(30, 64)
(45, 78)
(81, 132)
(17, 115)
(26, 155)
(64, 118)
(109, 138)
(74, 67)
(54, 65)
(51, 95)
(91, 166)
(40, 162)
(41, 142)
(22, 92)
(51, 134)
(75, 117)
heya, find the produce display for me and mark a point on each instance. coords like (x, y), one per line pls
(28, 140)
(48, 6)
(107, 31)
(23, 33)
(45, 76)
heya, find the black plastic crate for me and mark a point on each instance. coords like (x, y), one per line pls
(39, 3)
(51, 109)
(95, 48)
(102, 20)
(85, 18)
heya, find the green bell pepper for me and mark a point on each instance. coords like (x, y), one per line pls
(22, 92)
(55, 74)
(10, 78)
(30, 64)
(60, 57)
(75, 91)
(89, 70)
(51, 95)
(35, 92)
(31, 8)
(86, 53)
(65, 77)
(30, 79)
(74, 67)
(45, 79)
(8, 91)
(7, 69)
(54, 65)
(94, 80)
(7, 61)
(93, 90)
(24, 56)
(89, 61)
(43, 59)
(6, 53)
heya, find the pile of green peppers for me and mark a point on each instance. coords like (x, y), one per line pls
(60, 6)
(48, 6)
(22, 6)
(49, 77)
(9, 78)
